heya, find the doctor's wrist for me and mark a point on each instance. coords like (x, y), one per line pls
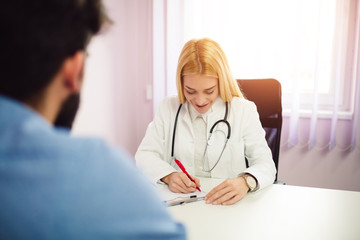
(250, 181)
(166, 179)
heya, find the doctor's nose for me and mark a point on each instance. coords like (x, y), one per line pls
(200, 100)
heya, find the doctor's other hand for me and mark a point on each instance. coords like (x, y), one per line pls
(228, 192)
(180, 183)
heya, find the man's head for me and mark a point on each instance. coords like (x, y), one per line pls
(38, 36)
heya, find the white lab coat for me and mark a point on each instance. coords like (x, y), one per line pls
(247, 140)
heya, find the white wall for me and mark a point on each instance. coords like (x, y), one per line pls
(96, 116)
(114, 104)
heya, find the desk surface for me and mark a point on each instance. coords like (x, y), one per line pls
(277, 212)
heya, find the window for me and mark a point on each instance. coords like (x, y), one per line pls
(307, 45)
(310, 46)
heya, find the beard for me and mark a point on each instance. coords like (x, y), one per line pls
(68, 111)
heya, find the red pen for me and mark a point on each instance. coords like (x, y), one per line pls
(184, 171)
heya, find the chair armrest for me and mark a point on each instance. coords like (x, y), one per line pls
(279, 182)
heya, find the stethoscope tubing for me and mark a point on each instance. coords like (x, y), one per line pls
(211, 130)
(174, 131)
(224, 121)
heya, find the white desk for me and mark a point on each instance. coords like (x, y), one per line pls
(277, 212)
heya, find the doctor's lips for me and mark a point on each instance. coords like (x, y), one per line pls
(201, 106)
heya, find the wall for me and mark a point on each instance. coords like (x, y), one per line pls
(114, 104)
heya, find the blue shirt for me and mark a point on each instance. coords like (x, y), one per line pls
(53, 186)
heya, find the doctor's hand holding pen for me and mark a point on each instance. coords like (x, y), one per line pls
(179, 182)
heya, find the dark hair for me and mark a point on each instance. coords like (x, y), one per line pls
(38, 35)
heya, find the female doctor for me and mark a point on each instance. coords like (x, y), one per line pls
(210, 128)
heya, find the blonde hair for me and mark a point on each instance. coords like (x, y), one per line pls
(205, 56)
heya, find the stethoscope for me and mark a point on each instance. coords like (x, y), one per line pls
(209, 140)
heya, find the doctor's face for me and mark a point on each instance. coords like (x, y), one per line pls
(201, 91)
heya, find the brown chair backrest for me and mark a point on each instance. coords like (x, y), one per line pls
(266, 94)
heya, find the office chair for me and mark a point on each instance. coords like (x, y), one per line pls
(266, 94)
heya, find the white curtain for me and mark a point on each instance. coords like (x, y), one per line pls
(311, 47)
(356, 119)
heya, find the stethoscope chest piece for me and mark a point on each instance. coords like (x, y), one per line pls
(210, 140)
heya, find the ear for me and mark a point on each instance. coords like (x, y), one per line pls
(72, 70)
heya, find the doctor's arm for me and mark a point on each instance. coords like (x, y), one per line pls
(257, 151)
(149, 159)
(151, 156)
(261, 166)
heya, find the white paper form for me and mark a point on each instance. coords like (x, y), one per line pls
(172, 198)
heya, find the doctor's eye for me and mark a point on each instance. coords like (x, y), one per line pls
(190, 92)
(211, 92)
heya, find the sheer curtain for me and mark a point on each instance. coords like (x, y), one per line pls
(311, 47)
